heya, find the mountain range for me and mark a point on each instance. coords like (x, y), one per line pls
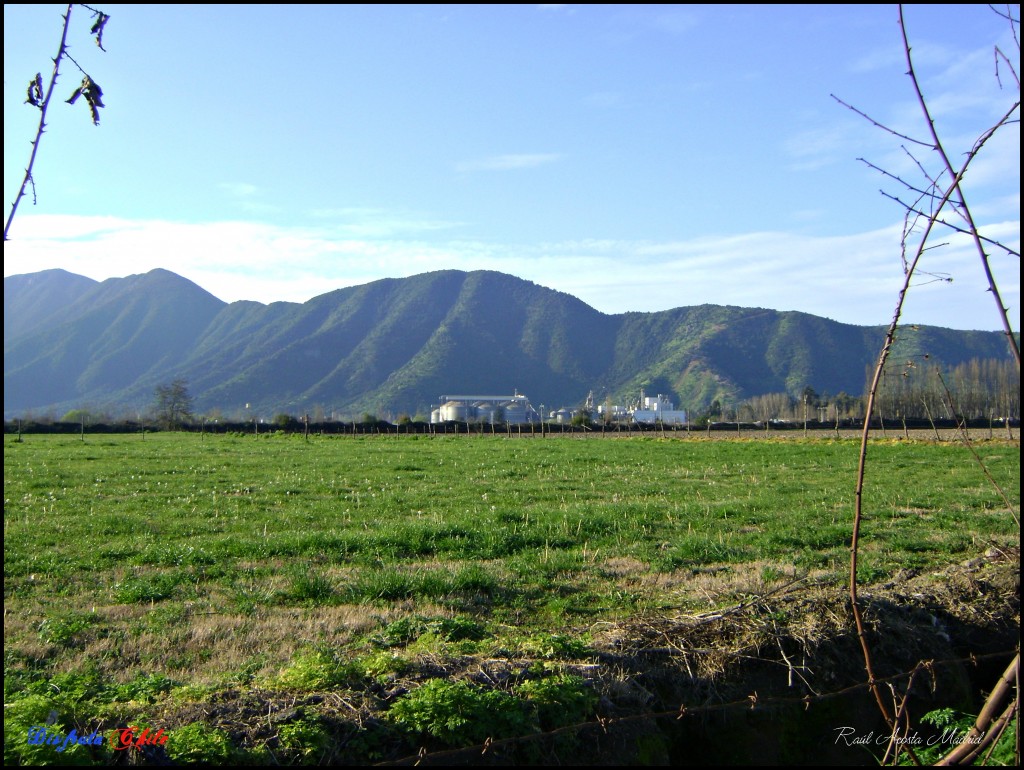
(394, 346)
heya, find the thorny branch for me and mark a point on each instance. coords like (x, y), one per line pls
(877, 124)
(890, 338)
(36, 97)
(953, 196)
(981, 735)
(958, 198)
(966, 439)
(684, 711)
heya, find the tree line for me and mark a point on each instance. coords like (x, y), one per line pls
(980, 389)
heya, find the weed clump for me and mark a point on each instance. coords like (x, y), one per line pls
(462, 714)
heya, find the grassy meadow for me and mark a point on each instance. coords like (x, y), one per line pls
(168, 567)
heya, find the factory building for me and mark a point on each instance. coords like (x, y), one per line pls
(658, 410)
(517, 410)
(492, 410)
(647, 411)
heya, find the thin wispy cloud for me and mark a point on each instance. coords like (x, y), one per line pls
(853, 278)
(876, 60)
(365, 222)
(637, 157)
(245, 198)
(817, 147)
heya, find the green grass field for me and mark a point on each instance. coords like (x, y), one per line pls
(139, 569)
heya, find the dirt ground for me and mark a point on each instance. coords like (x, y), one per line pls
(773, 679)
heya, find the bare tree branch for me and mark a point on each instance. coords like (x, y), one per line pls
(89, 90)
(957, 192)
(61, 49)
(880, 125)
(952, 195)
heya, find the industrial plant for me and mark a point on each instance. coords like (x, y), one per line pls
(648, 411)
(492, 410)
(517, 410)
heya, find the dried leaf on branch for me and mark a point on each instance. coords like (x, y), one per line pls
(93, 94)
(35, 91)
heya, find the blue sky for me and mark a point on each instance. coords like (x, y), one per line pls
(638, 157)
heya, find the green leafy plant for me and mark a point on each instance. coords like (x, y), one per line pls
(392, 584)
(63, 630)
(137, 589)
(306, 739)
(316, 669)
(199, 744)
(145, 687)
(34, 711)
(557, 647)
(560, 700)
(461, 714)
(405, 631)
(954, 727)
(74, 692)
(380, 665)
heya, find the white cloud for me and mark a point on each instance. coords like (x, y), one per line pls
(366, 222)
(883, 58)
(245, 197)
(853, 278)
(814, 148)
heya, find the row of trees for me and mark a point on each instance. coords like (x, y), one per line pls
(172, 408)
(978, 389)
(974, 390)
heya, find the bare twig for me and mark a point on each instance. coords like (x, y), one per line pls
(43, 106)
(890, 338)
(957, 193)
(982, 733)
(952, 194)
(966, 439)
(89, 90)
(880, 125)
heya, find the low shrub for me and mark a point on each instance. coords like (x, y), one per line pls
(461, 714)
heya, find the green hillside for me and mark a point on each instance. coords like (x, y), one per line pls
(394, 346)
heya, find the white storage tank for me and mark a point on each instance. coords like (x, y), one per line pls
(455, 411)
(515, 412)
(487, 412)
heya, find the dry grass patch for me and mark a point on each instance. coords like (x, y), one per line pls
(622, 566)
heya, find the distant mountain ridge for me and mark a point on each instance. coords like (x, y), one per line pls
(395, 346)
